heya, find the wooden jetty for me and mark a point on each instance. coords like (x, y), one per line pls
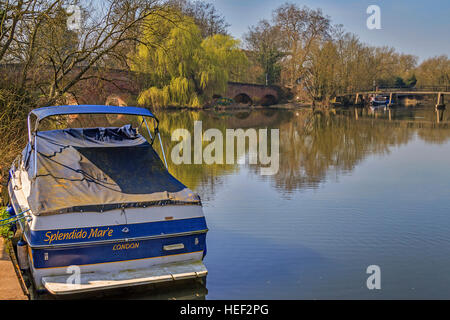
(395, 93)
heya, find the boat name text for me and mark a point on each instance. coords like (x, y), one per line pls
(78, 234)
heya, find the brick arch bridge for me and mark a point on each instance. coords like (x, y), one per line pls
(122, 86)
(252, 93)
(243, 93)
(125, 85)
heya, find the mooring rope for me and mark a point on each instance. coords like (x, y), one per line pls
(16, 218)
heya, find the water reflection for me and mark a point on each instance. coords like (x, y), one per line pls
(281, 237)
(313, 143)
(180, 290)
(439, 115)
(186, 290)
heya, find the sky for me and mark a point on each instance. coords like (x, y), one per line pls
(418, 27)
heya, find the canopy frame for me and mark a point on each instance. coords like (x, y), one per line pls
(42, 113)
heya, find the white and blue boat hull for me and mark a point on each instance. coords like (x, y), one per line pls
(143, 240)
(98, 208)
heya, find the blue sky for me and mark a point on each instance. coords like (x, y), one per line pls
(419, 27)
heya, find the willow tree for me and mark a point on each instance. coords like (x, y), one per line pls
(184, 69)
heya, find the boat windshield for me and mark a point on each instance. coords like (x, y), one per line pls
(82, 121)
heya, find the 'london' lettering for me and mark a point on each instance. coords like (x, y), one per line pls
(126, 246)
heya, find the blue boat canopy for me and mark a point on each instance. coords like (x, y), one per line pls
(45, 112)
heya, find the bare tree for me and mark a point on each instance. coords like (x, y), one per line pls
(41, 60)
(264, 45)
(299, 29)
(205, 16)
(54, 59)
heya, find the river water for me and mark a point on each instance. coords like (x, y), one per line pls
(355, 188)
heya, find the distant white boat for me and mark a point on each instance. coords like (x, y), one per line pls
(99, 200)
(378, 101)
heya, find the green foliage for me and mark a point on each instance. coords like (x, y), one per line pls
(398, 82)
(183, 68)
(224, 101)
(5, 231)
(411, 81)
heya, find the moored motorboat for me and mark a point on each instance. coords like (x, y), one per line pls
(98, 209)
(378, 101)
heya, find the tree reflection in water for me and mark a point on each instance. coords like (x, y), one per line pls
(313, 144)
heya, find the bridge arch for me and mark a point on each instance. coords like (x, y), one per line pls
(243, 98)
(257, 93)
(268, 100)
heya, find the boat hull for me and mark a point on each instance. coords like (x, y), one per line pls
(132, 250)
(379, 103)
(98, 202)
(142, 239)
(149, 245)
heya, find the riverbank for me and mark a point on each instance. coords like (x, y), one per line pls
(10, 288)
